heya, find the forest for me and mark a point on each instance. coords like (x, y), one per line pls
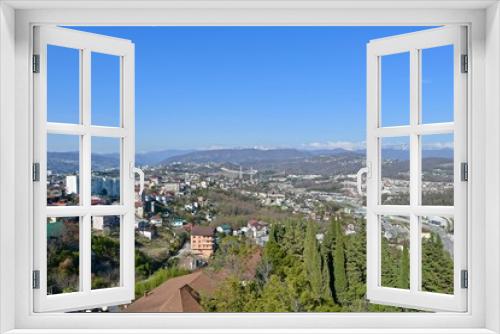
(297, 273)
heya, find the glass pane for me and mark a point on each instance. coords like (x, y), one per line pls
(395, 251)
(105, 252)
(395, 170)
(437, 170)
(63, 84)
(63, 260)
(437, 254)
(437, 84)
(105, 89)
(395, 89)
(63, 170)
(105, 171)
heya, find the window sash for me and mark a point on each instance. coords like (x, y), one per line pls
(413, 43)
(86, 297)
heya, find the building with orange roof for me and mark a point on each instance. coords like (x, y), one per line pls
(203, 241)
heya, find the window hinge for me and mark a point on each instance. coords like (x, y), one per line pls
(36, 172)
(465, 64)
(36, 279)
(36, 63)
(464, 279)
(464, 171)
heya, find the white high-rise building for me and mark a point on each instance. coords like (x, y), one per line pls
(71, 184)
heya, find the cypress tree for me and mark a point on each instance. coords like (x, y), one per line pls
(329, 240)
(404, 273)
(340, 279)
(326, 291)
(272, 250)
(312, 261)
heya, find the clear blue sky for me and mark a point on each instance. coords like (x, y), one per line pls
(205, 87)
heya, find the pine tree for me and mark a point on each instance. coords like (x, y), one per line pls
(404, 273)
(437, 266)
(312, 261)
(340, 279)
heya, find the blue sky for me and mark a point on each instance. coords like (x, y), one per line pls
(207, 87)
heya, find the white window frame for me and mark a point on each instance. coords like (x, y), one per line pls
(85, 43)
(16, 20)
(413, 44)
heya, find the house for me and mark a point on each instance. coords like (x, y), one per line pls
(105, 223)
(55, 228)
(139, 209)
(203, 241)
(350, 229)
(140, 224)
(177, 222)
(179, 294)
(224, 228)
(98, 223)
(148, 231)
(172, 187)
(258, 230)
(156, 220)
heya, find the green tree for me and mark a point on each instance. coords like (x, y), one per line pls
(312, 261)
(326, 292)
(276, 297)
(340, 279)
(404, 273)
(437, 266)
(273, 253)
(231, 296)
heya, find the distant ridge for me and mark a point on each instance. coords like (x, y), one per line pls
(238, 156)
(156, 157)
(293, 160)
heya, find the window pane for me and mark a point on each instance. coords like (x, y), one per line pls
(395, 251)
(105, 252)
(63, 84)
(437, 84)
(437, 170)
(395, 171)
(105, 89)
(63, 260)
(105, 171)
(395, 89)
(63, 170)
(437, 254)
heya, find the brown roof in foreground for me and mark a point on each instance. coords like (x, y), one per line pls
(179, 294)
(206, 231)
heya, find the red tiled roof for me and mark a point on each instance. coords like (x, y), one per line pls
(179, 294)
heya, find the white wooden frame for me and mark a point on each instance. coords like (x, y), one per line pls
(413, 43)
(16, 18)
(85, 43)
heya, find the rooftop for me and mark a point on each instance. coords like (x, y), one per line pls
(179, 294)
(206, 231)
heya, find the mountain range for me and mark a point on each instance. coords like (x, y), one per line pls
(293, 160)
